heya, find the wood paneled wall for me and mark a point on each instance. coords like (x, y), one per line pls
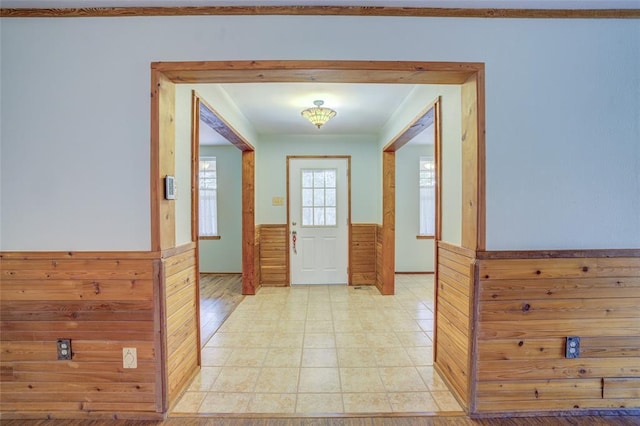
(379, 258)
(103, 302)
(274, 262)
(526, 309)
(362, 258)
(182, 350)
(454, 307)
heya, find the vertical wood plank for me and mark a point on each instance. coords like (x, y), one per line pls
(388, 222)
(469, 163)
(248, 223)
(162, 160)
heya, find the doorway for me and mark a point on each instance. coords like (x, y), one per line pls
(164, 76)
(318, 219)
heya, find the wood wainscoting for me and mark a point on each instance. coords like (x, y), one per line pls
(362, 258)
(103, 302)
(379, 253)
(528, 303)
(274, 255)
(454, 307)
(180, 314)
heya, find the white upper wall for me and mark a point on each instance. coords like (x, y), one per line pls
(562, 117)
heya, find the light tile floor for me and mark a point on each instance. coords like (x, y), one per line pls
(322, 350)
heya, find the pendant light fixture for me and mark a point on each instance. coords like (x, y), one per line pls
(318, 115)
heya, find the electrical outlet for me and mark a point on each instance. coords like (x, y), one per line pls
(64, 349)
(129, 358)
(572, 347)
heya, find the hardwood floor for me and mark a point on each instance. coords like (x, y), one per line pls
(219, 296)
(344, 421)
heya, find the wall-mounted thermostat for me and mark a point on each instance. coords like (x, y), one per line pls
(169, 188)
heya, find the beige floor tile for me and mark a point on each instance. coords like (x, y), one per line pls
(383, 340)
(317, 380)
(277, 380)
(412, 402)
(407, 324)
(213, 357)
(287, 340)
(446, 401)
(392, 357)
(190, 402)
(356, 357)
(360, 380)
(294, 314)
(273, 403)
(319, 340)
(227, 340)
(366, 403)
(247, 357)
(319, 357)
(319, 314)
(414, 338)
(283, 357)
(291, 326)
(431, 378)
(204, 379)
(318, 326)
(352, 340)
(347, 326)
(426, 324)
(236, 379)
(310, 403)
(421, 356)
(402, 379)
(258, 339)
(218, 402)
(421, 314)
(342, 312)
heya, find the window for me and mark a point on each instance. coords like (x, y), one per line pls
(319, 197)
(427, 197)
(208, 208)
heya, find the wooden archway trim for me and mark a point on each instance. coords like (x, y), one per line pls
(469, 75)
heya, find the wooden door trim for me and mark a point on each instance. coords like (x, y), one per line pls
(202, 110)
(328, 71)
(320, 157)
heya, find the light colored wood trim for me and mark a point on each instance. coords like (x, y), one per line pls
(425, 237)
(416, 126)
(174, 251)
(248, 223)
(321, 11)
(472, 164)
(210, 237)
(556, 254)
(195, 164)
(162, 160)
(160, 338)
(462, 251)
(195, 203)
(437, 105)
(211, 117)
(319, 71)
(388, 222)
(93, 255)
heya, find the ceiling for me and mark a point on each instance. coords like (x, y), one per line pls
(503, 4)
(274, 108)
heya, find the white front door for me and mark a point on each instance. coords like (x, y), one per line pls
(318, 217)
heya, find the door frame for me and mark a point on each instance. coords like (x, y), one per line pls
(320, 157)
(470, 75)
(416, 126)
